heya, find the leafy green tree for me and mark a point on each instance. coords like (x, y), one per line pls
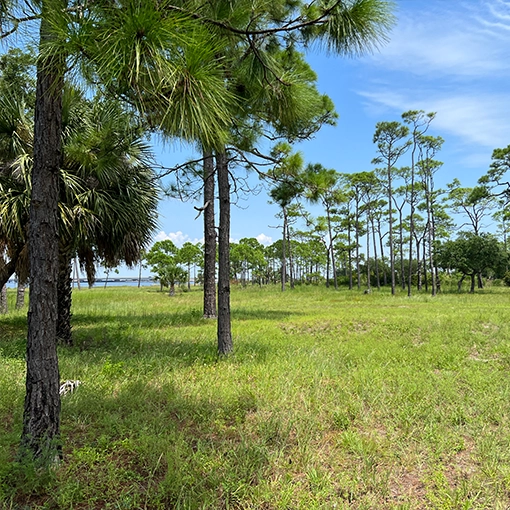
(503, 218)
(276, 91)
(190, 254)
(472, 255)
(474, 203)
(498, 168)
(164, 259)
(107, 202)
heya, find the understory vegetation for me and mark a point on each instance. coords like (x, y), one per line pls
(332, 399)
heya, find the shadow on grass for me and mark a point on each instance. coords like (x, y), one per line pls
(192, 317)
(245, 314)
(13, 331)
(146, 444)
(124, 334)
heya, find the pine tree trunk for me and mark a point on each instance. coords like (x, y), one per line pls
(358, 275)
(291, 262)
(349, 254)
(383, 258)
(20, 296)
(418, 264)
(411, 233)
(425, 275)
(369, 286)
(376, 259)
(209, 239)
(390, 226)
(40, 440)
(284, 255)
(3, 300)
(65, 293)
(225, 345)
(401, 240)
(332, 251)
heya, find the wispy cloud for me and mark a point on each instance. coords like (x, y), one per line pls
(481, 119)
(468, 41)
(451, 59)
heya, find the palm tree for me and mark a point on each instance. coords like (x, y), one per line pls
(108, 198)
(16, 139)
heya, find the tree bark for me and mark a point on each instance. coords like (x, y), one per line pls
(411, 233)
(349, 253)
(358, 275)
(332, 251)
(401, 242)
(390, 227)
(40, 440)
(376, 259)
(65, 293)
(284, 255)
(369, 286)
(225, 345)
(425, 275)
(291, 262)
(20, 296)
(3, 300)
(209, 239)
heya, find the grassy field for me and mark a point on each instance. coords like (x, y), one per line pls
(332, 400)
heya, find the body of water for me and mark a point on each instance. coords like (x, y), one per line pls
(113, 282)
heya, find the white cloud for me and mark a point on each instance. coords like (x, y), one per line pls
(265, 240)
(178, 238)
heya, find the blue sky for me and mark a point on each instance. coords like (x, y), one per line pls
(446, 56)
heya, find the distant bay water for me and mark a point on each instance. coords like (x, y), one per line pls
(112, 282)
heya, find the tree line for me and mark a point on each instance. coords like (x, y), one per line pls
(393, 225)
(434, 232)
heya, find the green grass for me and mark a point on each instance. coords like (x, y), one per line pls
(331, 400)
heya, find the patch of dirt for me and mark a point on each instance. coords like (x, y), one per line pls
(407, 486)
